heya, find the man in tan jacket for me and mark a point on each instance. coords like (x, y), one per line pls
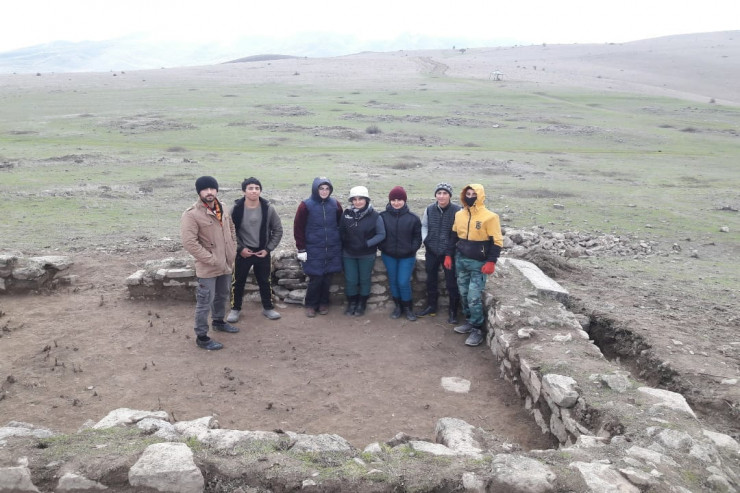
(208, 234)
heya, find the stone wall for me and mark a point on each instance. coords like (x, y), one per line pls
(19, 274)
(175, 278)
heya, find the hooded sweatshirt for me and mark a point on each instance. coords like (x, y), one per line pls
(476, 232)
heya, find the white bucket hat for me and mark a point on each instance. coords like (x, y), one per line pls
(359, 191)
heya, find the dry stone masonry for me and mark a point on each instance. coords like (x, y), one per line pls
(610, 433)
(20, 274)
(175, 277)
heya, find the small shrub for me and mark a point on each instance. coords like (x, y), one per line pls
(373, 129)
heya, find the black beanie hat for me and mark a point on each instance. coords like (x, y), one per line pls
(251, 181)
(205, 182)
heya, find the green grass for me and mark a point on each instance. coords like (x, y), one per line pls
(100, 162)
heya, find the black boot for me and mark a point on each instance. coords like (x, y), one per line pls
(429, 311)
(408, 308)
(397, 310)
(454, 303)
(351, 305)
(361, 306)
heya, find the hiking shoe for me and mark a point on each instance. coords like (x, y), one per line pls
(323, 309)
(233, 316)
(427, 312)
(465, 328)
(209, 344)
(310, 312)
(225, 327)
(475, 338)
(271, 314)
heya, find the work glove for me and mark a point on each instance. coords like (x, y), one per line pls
(488, 268)
(302, 256)
(447, 262)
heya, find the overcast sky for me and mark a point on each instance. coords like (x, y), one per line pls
(31, 22)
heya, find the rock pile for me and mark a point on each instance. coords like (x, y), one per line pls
(574, 244)
(19, 274)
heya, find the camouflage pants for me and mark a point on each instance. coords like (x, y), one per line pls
(471, 282)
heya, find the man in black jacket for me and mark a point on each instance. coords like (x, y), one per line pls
(436, 226)
(258, 232)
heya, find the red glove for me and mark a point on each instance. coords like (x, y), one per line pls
(448, 262)
(488, 268)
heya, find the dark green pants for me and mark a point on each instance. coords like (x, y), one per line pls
(357, 275)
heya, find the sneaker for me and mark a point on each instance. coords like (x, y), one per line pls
(233, 316)
(323, 309)
(271, 314)
(465, 328)
(475, 338)
(310, 312)
(225, 327)
(427, 312)
(208, 344)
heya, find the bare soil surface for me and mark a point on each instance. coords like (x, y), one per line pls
(74, 354)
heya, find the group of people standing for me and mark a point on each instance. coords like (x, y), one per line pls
(465, 240)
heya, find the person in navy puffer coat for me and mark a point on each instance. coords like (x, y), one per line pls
(316, 232)
(402, 240)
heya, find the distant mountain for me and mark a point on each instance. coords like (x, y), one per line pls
(140, 52)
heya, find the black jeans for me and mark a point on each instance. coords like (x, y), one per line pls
(261, 273)
(433, 262)
(317, 291)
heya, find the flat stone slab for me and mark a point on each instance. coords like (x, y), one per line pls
(167, 467)
(125, 416)
(456, 384)
(545, 286)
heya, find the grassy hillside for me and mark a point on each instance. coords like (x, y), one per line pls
(89, 164)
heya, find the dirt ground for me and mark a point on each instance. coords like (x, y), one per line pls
(365, 379)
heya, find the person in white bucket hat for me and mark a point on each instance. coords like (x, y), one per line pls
(362, 229)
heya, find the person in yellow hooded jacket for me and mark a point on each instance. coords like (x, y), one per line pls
(475, 244)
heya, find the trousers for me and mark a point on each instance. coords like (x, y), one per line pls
(471, 282)
(357, 275)
(432, 263)
(317, 291)
(261, 268)
(210, 298)
(399, 275)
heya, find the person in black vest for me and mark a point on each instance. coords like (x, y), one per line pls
(316, 232)
(361, 229)
(436, 227)
(258, 232)
(402, 240)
